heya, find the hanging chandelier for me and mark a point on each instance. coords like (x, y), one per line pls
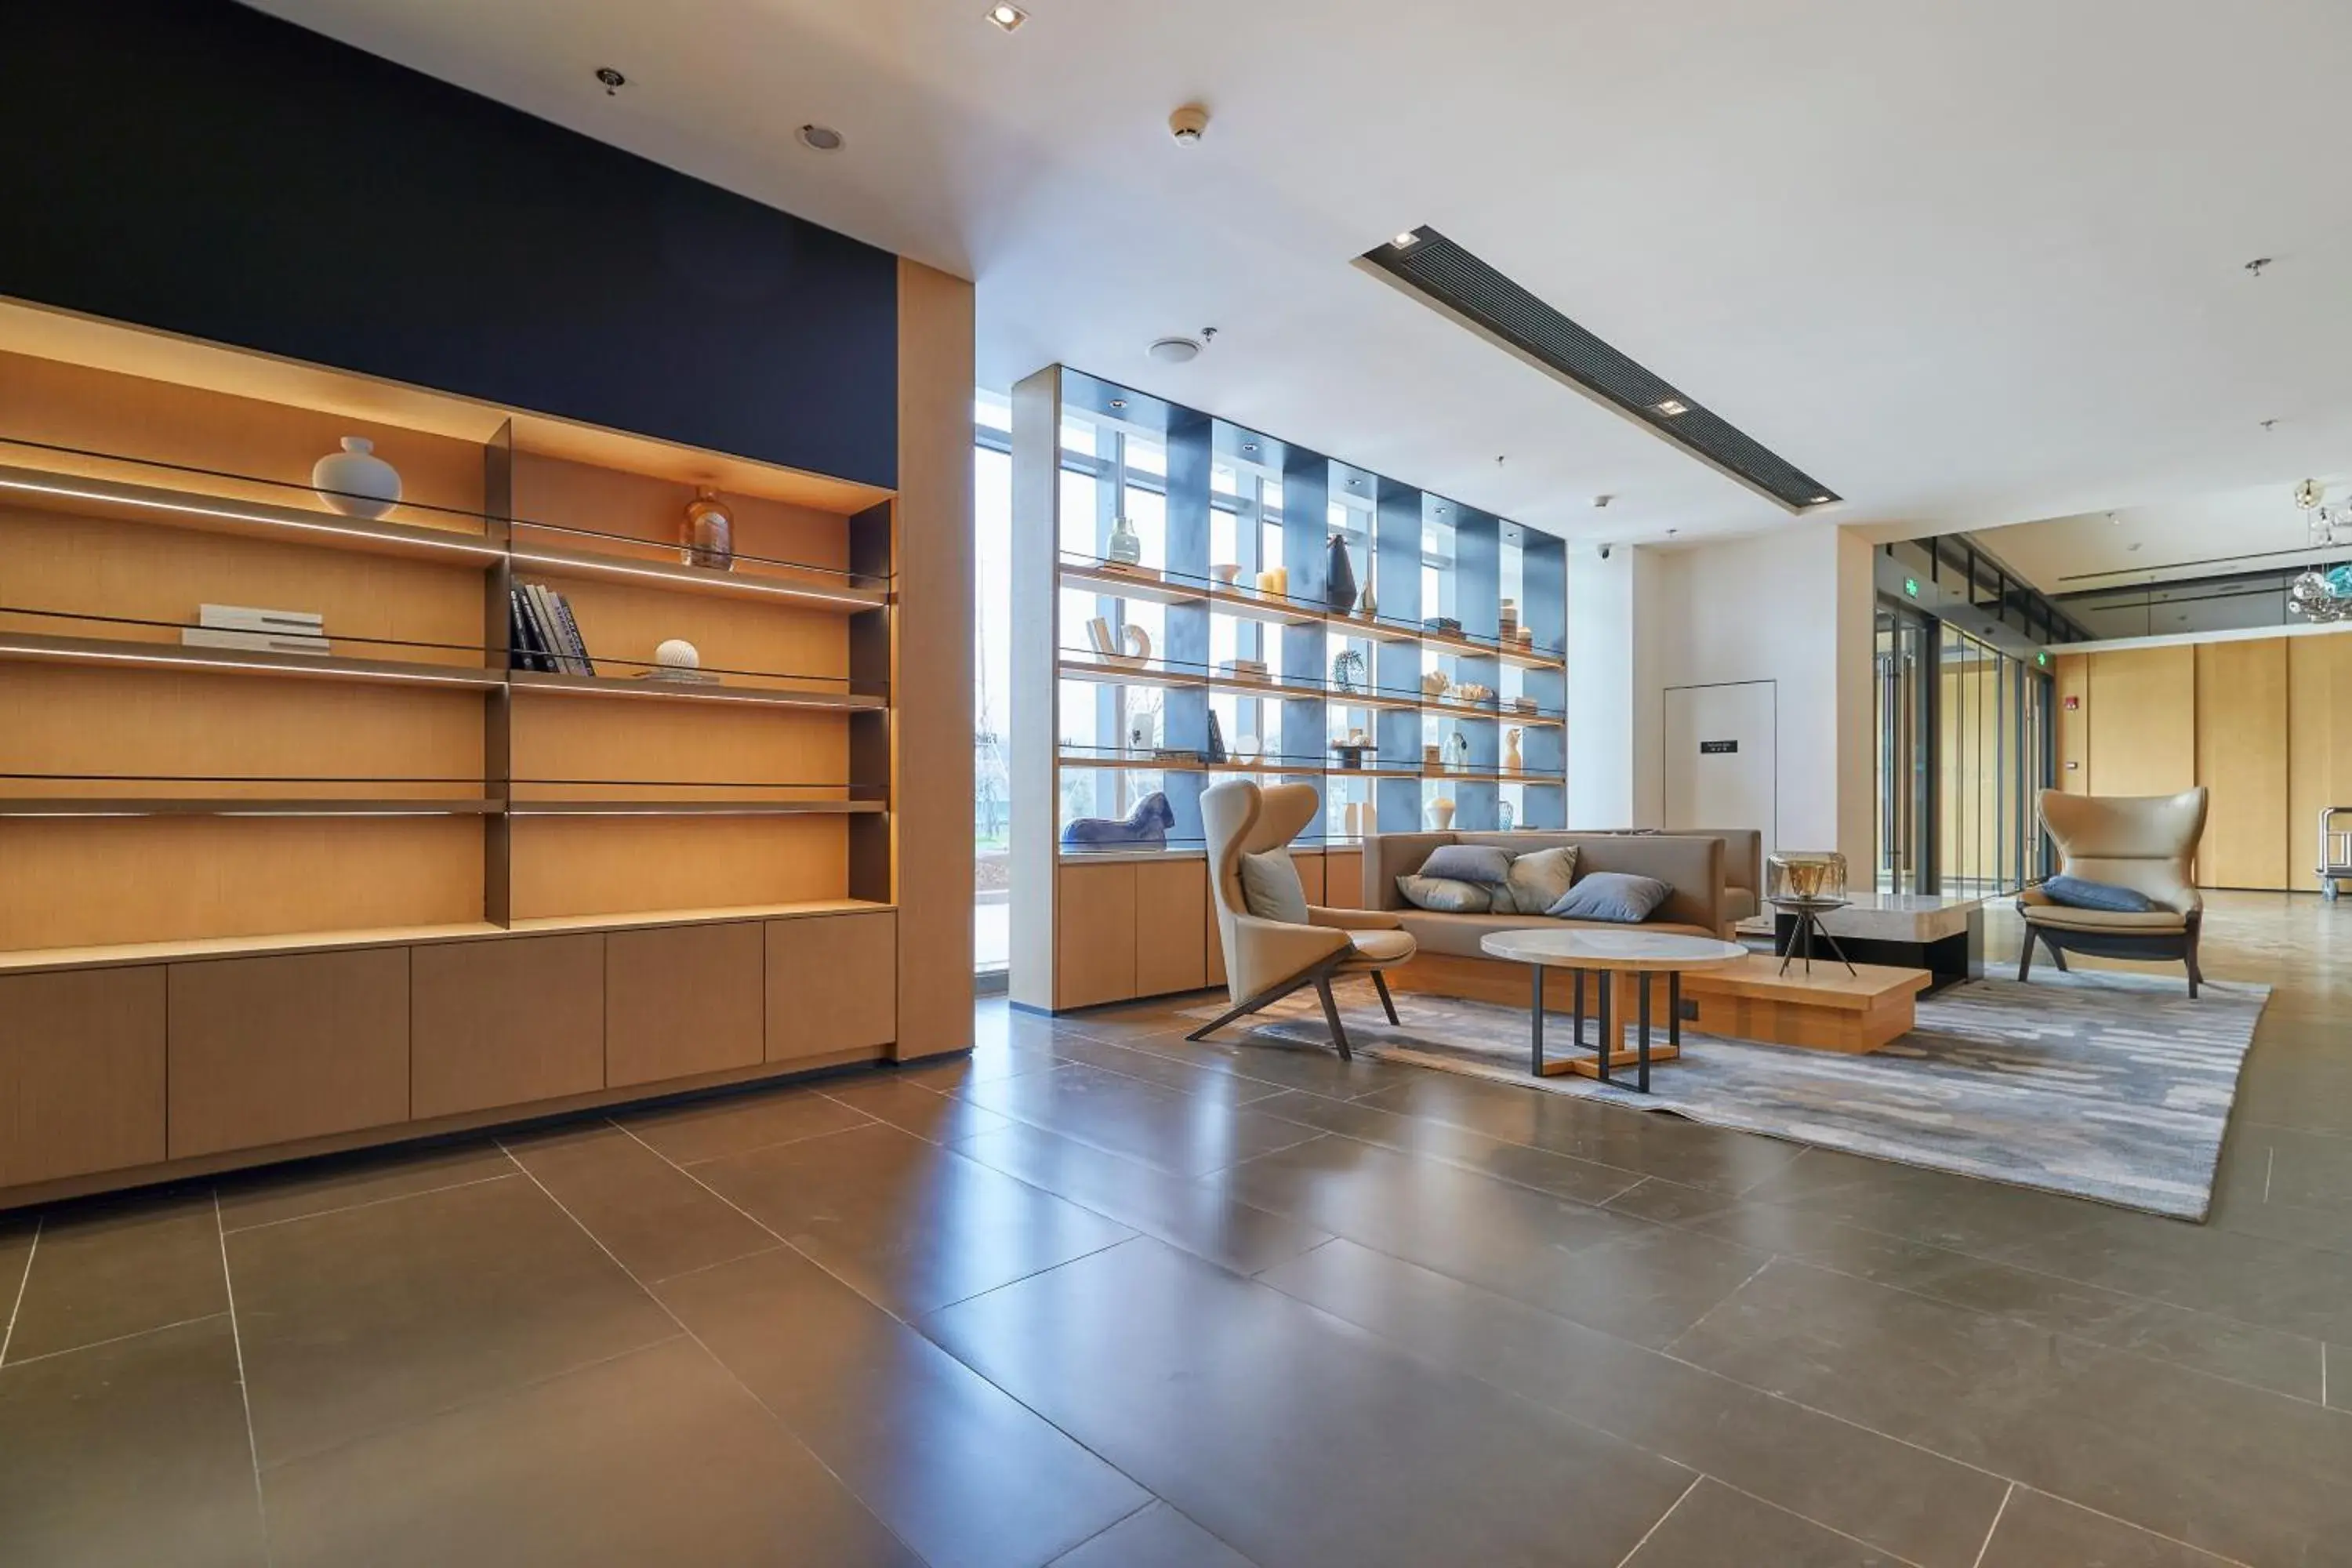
(2323, 593)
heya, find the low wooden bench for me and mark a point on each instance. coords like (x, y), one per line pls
(1827, 1010)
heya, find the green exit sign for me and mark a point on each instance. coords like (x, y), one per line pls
(1911, 586)
(2042, 660)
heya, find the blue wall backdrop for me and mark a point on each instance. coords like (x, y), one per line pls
(200, 167)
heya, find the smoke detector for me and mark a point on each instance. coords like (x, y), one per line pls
(1189, 124)
(1176, 350)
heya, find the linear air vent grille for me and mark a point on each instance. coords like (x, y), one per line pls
(1448, 276)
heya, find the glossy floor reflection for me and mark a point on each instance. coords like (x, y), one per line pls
(1095, 1297)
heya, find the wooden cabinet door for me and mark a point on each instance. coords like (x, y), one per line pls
(1170, 904)
(683, 1000)
(268, 1050)
(81, 1073)
(832, 984)
(1343, 879)
(1094, 935)
(507, 1021)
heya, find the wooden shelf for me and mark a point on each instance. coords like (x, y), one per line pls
(1528, 659)
(695, 807)
(1375, 700)
(1116, 585)
(678, 578)
(212, 514)
(1113, 675)
(1134, 764)
(1266, 689)
(102, 652)
(658, 689)
(1466, 709)
(238, 805)
(1257, 607)
(1297, 769)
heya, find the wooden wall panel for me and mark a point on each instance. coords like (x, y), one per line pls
(1310, 867)
(73, 406)
(151, 573)
(232, 728)
(87, 881)
(832, 984)
(680, 1000)
(267, 1051)
(506, 1022)
(616, 865)
(932, 687)
(81, 1073)
(1171, 905)
(2241, 758)
(2073, 725)
(754, 750)
(573, 495)
(1094, 935)
(2143, 720)
(2319, 746)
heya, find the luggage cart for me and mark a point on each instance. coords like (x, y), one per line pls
(2335, 850)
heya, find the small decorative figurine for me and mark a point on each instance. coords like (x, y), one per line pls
(1147, 824)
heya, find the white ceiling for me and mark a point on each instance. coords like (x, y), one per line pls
(1966, 264)
(2257, 529)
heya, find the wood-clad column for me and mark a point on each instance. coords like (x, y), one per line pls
(2241, 745)
(931, 788)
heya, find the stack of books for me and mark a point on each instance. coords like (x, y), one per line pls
(268, 631)
(542, 634)
(1245, 669)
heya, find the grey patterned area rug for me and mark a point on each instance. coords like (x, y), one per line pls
(2098, 1084)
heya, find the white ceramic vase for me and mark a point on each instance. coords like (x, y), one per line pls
(355, 481)
(1441, 815)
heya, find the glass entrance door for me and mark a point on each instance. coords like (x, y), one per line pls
(1905, 796)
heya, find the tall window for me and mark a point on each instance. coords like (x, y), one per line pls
(992, 679)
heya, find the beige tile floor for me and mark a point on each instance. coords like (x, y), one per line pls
(1097, 1297)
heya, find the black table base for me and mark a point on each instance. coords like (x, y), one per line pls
(1610, 1043)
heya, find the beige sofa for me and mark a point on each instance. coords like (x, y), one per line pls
(1743, 864)
(1449, 962)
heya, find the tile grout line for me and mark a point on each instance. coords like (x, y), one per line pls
(785, 1244)
(2270, 1168)
(1819, 1524)
(1658, 1523)
(1667, 1349)
(701, 1344)
(2322, 1374)
(243, 1390)
(18, 1304)
(228, 1229)
(1994, 1529)
(1150, 1502)
(119, 1338)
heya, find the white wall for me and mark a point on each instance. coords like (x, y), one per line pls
(1792, 607)
(1613, 628)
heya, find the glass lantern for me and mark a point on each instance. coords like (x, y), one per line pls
(1805, 877)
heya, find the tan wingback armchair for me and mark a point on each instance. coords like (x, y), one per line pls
(2147, 843)
(1268, 960)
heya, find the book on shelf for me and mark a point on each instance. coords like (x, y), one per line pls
(572, 636)
(256, 642)
(244, 618)
(562, 636)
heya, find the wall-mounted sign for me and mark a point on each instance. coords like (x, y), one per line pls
(2042, 658)
(1717, 748)
(1911, 586)
(2073, 703)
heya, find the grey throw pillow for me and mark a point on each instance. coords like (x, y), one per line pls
(1445, 896)
(1467, 863)
(1270, 888)
(1538, 880)
(1616, 896)
(2079, 893)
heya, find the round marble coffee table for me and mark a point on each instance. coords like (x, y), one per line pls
(1636, 953)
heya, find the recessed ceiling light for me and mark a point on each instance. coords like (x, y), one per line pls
(1671, 406)
(821, 138)
(1249, 446)
(1176, 350)
(1406, 240)
(614, 80)
(1119, 403)
(1819, 500)
(1007, 17)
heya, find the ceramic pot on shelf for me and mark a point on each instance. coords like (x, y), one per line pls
(1126, 546)
(355, 481)
(1339, 577)
(1441, 814)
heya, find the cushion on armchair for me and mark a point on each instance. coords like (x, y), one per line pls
(2079, 893)
(1614, 896)
(1270, 888)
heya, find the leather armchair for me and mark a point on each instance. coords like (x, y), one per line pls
(1267, 960)
(2147, 843)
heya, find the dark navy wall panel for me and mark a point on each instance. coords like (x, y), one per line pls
(197, 166)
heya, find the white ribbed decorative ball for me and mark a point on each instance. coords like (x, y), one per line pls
(677, 654)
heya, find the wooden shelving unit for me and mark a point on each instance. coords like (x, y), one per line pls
(137, 762)
(1202, 494)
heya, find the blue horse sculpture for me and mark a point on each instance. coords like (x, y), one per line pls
(1147, 824)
